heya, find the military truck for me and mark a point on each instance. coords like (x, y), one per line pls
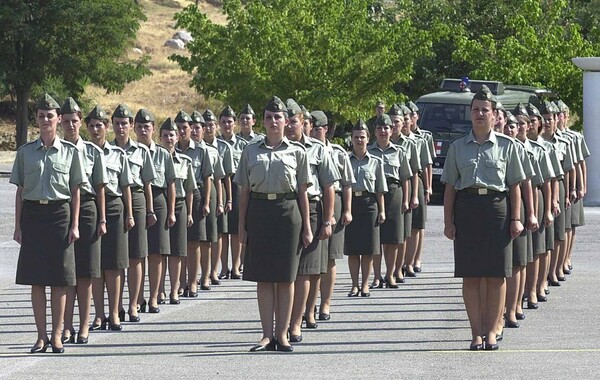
(447, 115)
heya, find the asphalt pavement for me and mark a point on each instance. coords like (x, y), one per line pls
(417, 331)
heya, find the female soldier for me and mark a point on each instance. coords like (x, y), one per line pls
(163, 193)
(203, 172)
(368, 209)
(119, 219)
(142, 172)
(227, 120)
(342, 209)
(397, 174)
(92, 223)
(48, 173)
(273, 176)
(185, 184)
(480, 167)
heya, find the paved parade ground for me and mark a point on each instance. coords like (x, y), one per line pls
(417, 331)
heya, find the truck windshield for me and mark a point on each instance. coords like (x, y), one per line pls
(440, 117)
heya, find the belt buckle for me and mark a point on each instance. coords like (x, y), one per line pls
(482, 191)
(358, 193)
(43, 201)
(271, 197)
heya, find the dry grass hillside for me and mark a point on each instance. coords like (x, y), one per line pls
(164, 92)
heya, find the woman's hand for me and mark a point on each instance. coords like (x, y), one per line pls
(17, 235)
(150, 220)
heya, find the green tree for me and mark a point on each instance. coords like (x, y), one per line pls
(75, 42)
(337, 55)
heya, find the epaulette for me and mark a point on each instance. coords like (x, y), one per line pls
(162, 147)
(535, 143)
(68, 143)
(298, 144)
(89, 143)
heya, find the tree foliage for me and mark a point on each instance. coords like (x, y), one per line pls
(336, 55)
(74, 42)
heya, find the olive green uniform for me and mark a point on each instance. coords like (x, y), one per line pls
(158, 234)
(185, 183)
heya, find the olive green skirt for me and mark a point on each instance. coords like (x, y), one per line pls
(313, 257)
(114, 252)
(335, 246)
(138, 235)
(87, 247)
(178, 231)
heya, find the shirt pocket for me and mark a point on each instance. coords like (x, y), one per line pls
(289, 167)
(113, 170)
(495, 171)
(60, 177)
(32, 174)
(467, 169)
(370, 181)
(258, 172)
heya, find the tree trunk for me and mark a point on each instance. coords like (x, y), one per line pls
(22, 114)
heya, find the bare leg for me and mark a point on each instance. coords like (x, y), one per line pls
(134, 283)
(154, 276)
(495, 292)
(327, 284)
(313, 294)
(98, 293)
(417, 260)
(366, 264)
(554, 257)
(301, 288)
(354, 267)
(141, 298)
(562, 257)
(161, 292)
(68, 327)
(215, 257)
(376, 271)
(58, 298)
(236, 254)
(390, 252)
(532, 279)
(400, 260)
(412, 244)
(224, 255)
(113, 286)
(174, 271)
(265, 294)
(521, 288)
(193, 265)
(206, 256)
(543, 272)
(285, 297)
(38, 302)
(512, 290)
(471, 291)
(570, 251)
(84, 300)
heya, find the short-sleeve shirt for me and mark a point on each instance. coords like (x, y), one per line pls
(493, 164)
(553, 156)
(342, 162)
(93, 166)
(163, 165)
(185, 182)
(322, 170)
(422, 150)
(201, 164)
(395, 163)
(225, 154)
(215, 160)
(563, 151)
(525, 159)
(140, 162)
(251, 136)
(369, 173)
(236, 146)
(412, 154)
(429, 138)
(280, 169)
(540, 156)
(117, 170)
(47, 173)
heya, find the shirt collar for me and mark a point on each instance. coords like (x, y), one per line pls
(491, 138)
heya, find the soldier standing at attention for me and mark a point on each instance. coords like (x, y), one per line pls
(48, 173)
(273, 176)
(203, 172)
(142, 173)
(342, 209)
(92, 223)
(227, 120)
(481, 172)
(247, 122)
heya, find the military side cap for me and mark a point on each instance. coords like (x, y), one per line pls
(122, 111)
(209, 115)
(275, 105)
(360, 126)
(500, 106)
(248, 110)
(520, 110)
(307, 115)
(227, 112)
(546, 107)
(70, 106)
(484, 93)
(511, 119)
(183, 117)
(395, 110)
(292, 107)
(383, 120)
(197, 117)
(380, 103)
(143, 116)
(47, 103)
(533, 110)
(562, 107)
(405, 110)
(319, 119)
(168, 125)
(96, 113)
(412, 106)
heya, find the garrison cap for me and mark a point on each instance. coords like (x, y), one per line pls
(307, 115)
(547, 107)
(319, 119)
(248, 110)
(412, 106)
(96, 113)
(405, 110)
(209, 115)
(383, 120)
(122, 111)
(380, 103)
(395, 110)
(183, 117)
(168, 125)
(533, 110)
(360, 126)
(197, 117)
(293, 108)
(227, 112)
(47, 103)
(484, 93)
(70, 106)
(562, 107)
(144, 116)
(511, 119)
(520, 110)
(500, 107)
(275, 105)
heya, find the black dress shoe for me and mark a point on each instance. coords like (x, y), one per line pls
(561, 279)
(153, 310)
(235, 276)
(134, 318)
(500, 336)
(311, 325)
(204, 287)
(224, 275)
(40, 349)
(143, 307)
(104, 324)
(542, 298)
(353, 293)
(82, 339)
(284, 348)
(174, 301)
(57, 350)
(192, 294)
(271, 346)
(552, 282)
(417, 269)
(389, 285)
(520, 316)
(114, 326)
(122, 314)
(532, 305)
(215, 281)
(491, 346)
(161, 301)
(476, 347)
(546, 292)
(510, 324)
(70, 338)
(324, 317)
(295, 338)
(365, 294)
(568, 271)
(409, 273)
(186, 292)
